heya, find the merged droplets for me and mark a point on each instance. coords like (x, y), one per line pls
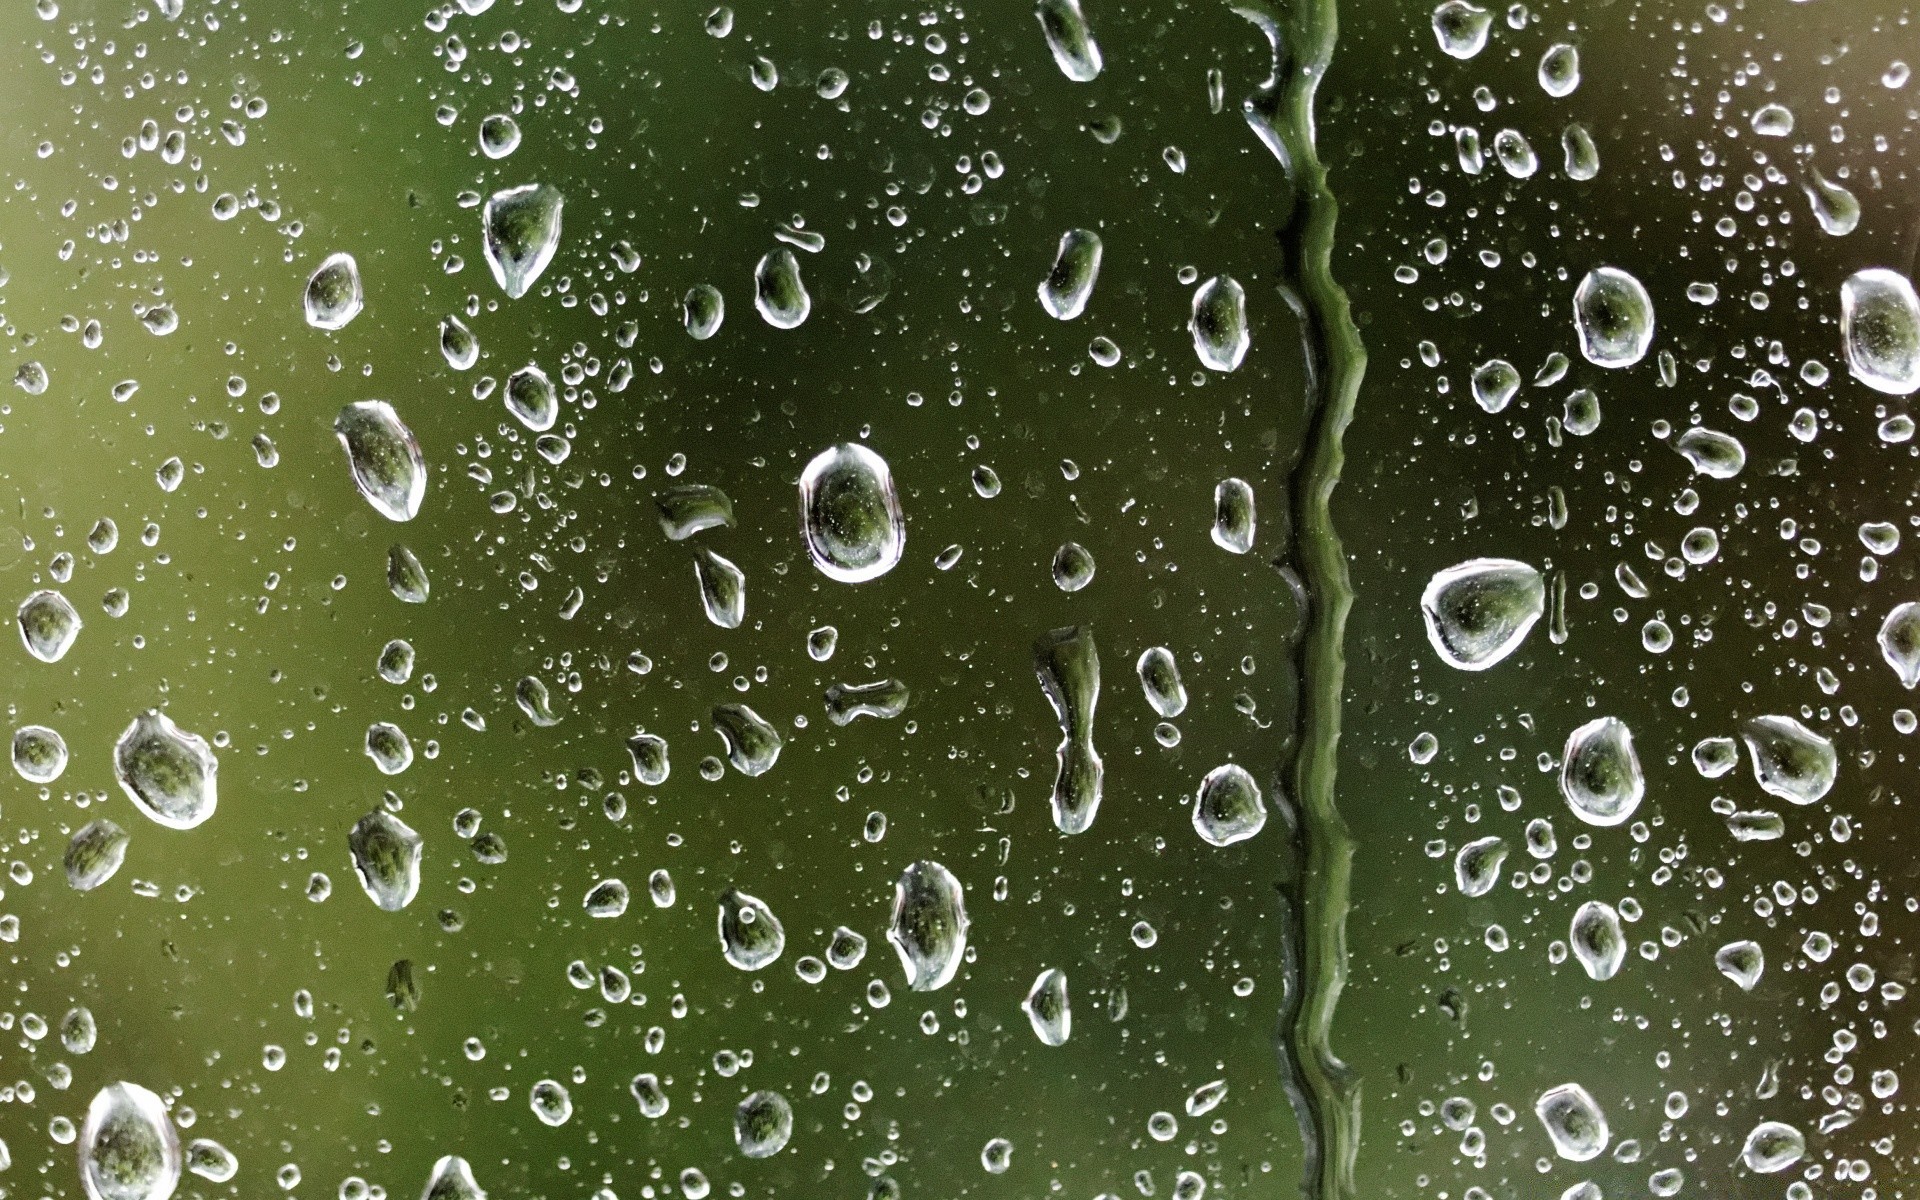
(1227, 807)
(1048, 1009)
(386, 859)
(778, 293)
(1835, 209)
(751, 937)
(1880, 330)
(168, 773)
(1479, 612)
(1613, 318)
(1574, 1123)
(1233, 517)
(1219, 324)
(387, 466)
(1600, 774)
(1789, 760)
(334, 294)
(520, 232)
(48, 625)
(1899, 641)
(928, 927)
(1598, 941)
(1068, 665)
(762, 1124)
(128, 1148)
(1076, 267)
(1461, 28)
(850, 516)
(1069, 38)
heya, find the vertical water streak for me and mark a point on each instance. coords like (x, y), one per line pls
(1302, 34)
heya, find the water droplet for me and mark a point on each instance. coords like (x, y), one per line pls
(39, 753)
(1476, 869)
(651, 1097)
(520, 229)
(530, 695)
(1233, 519)
(1773, 1146)
(1880, 329)
(703, 309)
(752, 744)
(884, 700)
(1461, 28)
(1559, 70)
(334, 295)
(778, 294)
(1076, 267)
(388, 747)
(1515, 154)
(751, 937)
(928, 928)
(649, 752)
(1598, 942)
(1613, 317)
(1743, 962)
(388, 468)
(48, 625)
(1207, 1097)
(1834, 207)
(128, 1148)
(1048, 1009)
(452, 1179)
(1495, 382)
(1068, 665)
(550, 1103)
(723, 588)
(94, 854)
(1574, 1123)
(386, 858)
(850, 514)
(1479, 612)
(168, 773)
(690, 508)
(1600, 774)
(457, 344)
(1581, 156)
(762, 1124)
(996, 1156)
(1070, 39)
(1899, 644)
(499, 135)
(1073, 567)
(211, 1161)
(530, 396)
(407, 576)
(1227, 807)
(1219, 324)
(1713, 454)
(1789, 760)
(1160, 680)
(1772, 120)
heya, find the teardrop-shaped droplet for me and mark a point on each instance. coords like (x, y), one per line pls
(752, 743)
(531, 696)
(1574, 1123)
(690, 508)
(407, 576)
(94, 854)
(1743, 962)
(928, 928)
(1479, 612)
(762, 1124)
(386, 858)
(1227, 807)
(1160, 680)
(778, 293)
(1476, 869)
(39, 753)
(1713, 454)
(1715, 756)
(1581, 158)
(1068, 665)
(1069, 38)
(1773, 1146)
(531, 398)
(1600, 773)
(334, 295)
(883, 699)
(1219, 324)
(1461, 28)
(168, 773)
(1495, 383)
(1233, 517)
(1899, 643)
(649, 753)
(1076, 268)
(128, 1148)
(1789, 760)
(1559, 70)
(723, 588)
(520, 229)
(48, 625)
(703, 309)
(1613, 317)
(457, 344)
(1048, 1009)
(388, 468)
(1598, 942)
(452, 1179)
(751, 937)
(1834, 207)
(1880, 329)
(850, 516)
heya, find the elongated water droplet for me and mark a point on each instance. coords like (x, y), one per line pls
(1713, 454)
(1574, 1123)
(1479, 612)
(1495, 382)
(762, 1124)
(1880, 329)
(850, 516)
(211, 1161)
(1599, 943)
(388, 468)
(1048, 1009)
(1834, 207)
(1899, 640)
(1233, 519)
(1207, 1097)
(649, 752)
(452, 1179)
(94, 854)
(1227, 807)
(168, 773)
(1068, 665)
(1773, 1146)
(1789, 760)
(128, 1148)
(1476, 869)
(1461, 28)
(520, 229)
(690, 508)
(1070, 39)
(883, 700)
(48, 625)
(928, 928)
(723, 588)
(1219, 324)
(457, 344)
(1743, 962)
(703, 309)
(1515, 154)
(1076, 268)
(1581, 156)
(1160, 680)
(334, 295)
(386, 859)
(752, 744)
(1600, 774)
(778, 294)
(1613, 317)
(1559, 70)
(407, 576)
(751, 937)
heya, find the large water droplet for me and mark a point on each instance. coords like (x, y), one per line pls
(1160, 680)
(1713, 454)
(211, 1161)
(1479, 612)
(1461, 28)
(1773, 120)
(928, 928)
(1227, 807)
(334, 295)
(520, 229)
(128, 1148)
(1834, 207)
(1495, 382)
(457, 344)
(386, 858)
(1880, 329)
(1559, 70)
(762, 1124)
(388, 468)
(778, 294)
(883, 699)
(1743, 962)
(1789, 760)
(752, 743)
(1773, 1146)
(1900, 642)
(649, 752)
(690, 508)
(1573, 1121)
(1068, 665)
(606, 899)
(1233, 517)
(850, 514)
(1476, 869)
(452, 1179)
(550, 1102)
(1580, 157)
(168, 773)
(1599, 943)
(703, 309)
(1070, 39)
(530, 396)
(94, 854)
(39, 753)
(48, 625)
(723, 588)
(1600, 774)
(407, 576)
(1076, 267)
(1219, 323)
(751, 937)
(1613, 317)
(1048, 1009)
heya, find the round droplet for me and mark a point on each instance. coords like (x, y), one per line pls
(1743, 962)
(1773, 120)
(1233, 517)
(1899, 644)
(1048, 1009)
(996, 1156)
(168, 773)
(1598, 942)
(1219, 324)
(1880, 330)
(520, 229)
(386, 859)
(850, 514)
(762, 1124)
(1773, 1146)
(1515, 154)
(531, 398)
(48, 625)
(928, 927)
(1789, 760)
(1069, 38)
(1479, 612)
(1495, 383)
(1613, 317)
(334, 295)
(1600, 774)
(550, 1102)
(1574, 1123)
(1461, 28)
(1560, 70)
(39, 753)
(499, 135)
(1076, 267)
(388, 468)
(1073, 567)
(606, 899)
(1227, 807)
(128, 1148)
(1476, 869)
(751, 937)
(778, 294)
(211, 1161)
